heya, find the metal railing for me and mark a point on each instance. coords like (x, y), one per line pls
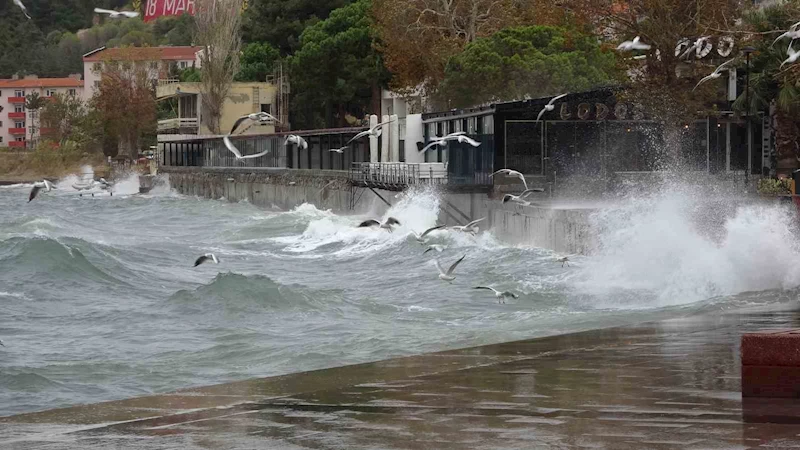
(397, 174)
(167, 81)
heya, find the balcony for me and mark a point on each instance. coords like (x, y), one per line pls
(17, 131)
(182, 125)
(16, 99)
(16, 115)
(17, 144)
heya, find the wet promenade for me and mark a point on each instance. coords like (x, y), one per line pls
(672, 384)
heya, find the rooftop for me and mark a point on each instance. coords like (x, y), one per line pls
(143, 54)
(41, 83)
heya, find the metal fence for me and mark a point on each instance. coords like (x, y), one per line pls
(397, 174)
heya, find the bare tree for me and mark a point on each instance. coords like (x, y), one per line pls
(218, 23)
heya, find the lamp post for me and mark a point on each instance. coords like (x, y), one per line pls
(747, 51)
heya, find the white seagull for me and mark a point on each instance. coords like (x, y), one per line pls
(390, 222)
(46, 185)
(635, 44)
(512, 173)
(371, 132)
(229, 145)
(793, 55)
(421, 237)
(261, 117)
(449, 275)
(457, 136)
(791, 34)
(468, 228)
(501, 296)
(205, 258)
(549, 106)
(697, 45)
(435, 247)
(295, 139)
(339, 150)
(564, 260)
(116, 14)
(1, 343)
(521, 197)
(23, 8)
(714, 75)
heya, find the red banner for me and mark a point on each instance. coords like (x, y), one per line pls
(158, 8)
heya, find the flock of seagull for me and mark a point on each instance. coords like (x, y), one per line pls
(111, 13)
(423, 238)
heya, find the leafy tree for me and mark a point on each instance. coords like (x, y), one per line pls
(190, 75)
(257, 61)
(126, 104)
(65, 117)
(337, 68)
(281, 22)
(521, 62)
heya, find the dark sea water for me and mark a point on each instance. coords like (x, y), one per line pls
(99, 299)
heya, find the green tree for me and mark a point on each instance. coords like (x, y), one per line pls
(257, 61)
(524, 62)
(281, 22)
(337, 68)
(61, 118)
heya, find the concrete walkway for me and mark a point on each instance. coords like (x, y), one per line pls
(672, 384)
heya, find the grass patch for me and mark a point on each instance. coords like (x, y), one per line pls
(46, 161)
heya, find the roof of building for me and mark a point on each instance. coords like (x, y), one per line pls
(143, 53)
(41, 83)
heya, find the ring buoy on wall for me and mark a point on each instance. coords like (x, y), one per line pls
(621, 111)
(725, 46)
(564, 112)
(584, 111)
(602, 111)
(704, 49)
(683, 44)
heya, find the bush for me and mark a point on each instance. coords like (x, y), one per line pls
(774, 186)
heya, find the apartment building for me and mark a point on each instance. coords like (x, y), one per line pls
(18, 127)
(160, 61)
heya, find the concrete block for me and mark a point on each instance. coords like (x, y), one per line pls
(771, 348)
(771, 381)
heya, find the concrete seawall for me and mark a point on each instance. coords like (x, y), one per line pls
(561, 230)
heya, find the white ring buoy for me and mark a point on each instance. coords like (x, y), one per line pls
(704, 49)
(725, 46)
(682, 45)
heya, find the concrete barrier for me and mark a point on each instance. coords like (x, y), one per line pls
(561, 230)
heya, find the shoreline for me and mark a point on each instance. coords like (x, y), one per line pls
(676, 382)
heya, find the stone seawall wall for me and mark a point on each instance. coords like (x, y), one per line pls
(561, 230)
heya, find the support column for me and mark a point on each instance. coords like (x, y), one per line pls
(386, 134)
(394, 138)
(373, 141)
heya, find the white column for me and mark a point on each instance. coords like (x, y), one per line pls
(386, 134)
(373, 141)
(394, 138)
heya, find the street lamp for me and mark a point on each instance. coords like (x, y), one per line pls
(747, 51)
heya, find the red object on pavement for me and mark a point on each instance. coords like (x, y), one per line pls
(771, 364)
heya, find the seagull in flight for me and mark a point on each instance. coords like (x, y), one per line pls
(390, 222)
(46, 185)
(521, 197)
(468, 228)
(793, 55)
(1, 343)
(512, 173)
(635, 44)
(115, 14)
(697, 45)
(421, 237)
(459, 136)
(229, 145)
(261, 117)
(295, 139)
(449, 275)
(374, 131)
(549, 106)
(501, 296)
(205, 258)
(791, 34)
(339, 150)
(435, 247)
(564, 260)
(714, 75)
(23, 8)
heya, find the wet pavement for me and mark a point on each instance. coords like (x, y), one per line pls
(671, 384)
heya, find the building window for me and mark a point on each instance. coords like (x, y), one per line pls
(266, 107)
(154, 65)
(96, 67)
(19, 93)
(19, 108)
(71, 92)
(96, 83)
(1, 139)
(184, 64)
(50, 92)
(19, 139)
(19, 124)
